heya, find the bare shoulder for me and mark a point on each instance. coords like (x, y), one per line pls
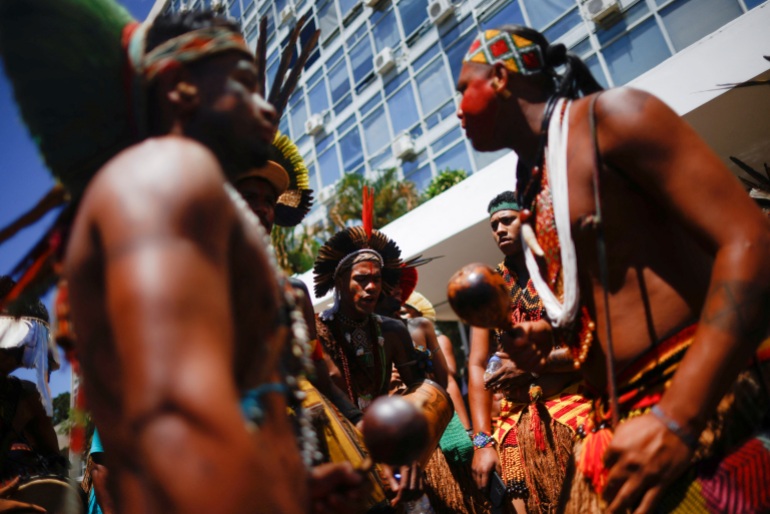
(392, 326)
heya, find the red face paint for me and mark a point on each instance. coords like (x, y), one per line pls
(479, 110)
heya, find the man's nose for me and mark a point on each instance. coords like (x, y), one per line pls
(264, 110)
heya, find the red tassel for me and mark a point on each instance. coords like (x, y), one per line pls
(367, 208)
(591, 463)
(535, 424)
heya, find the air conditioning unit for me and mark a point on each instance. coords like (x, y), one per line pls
(325, 194)
(440, 10)
(371, 3)
(601, 11)
(287, 13)
(384, 61)
(403, 147)
(314, 124)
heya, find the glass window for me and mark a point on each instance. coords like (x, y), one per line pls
(564, 25)
(311, 177)
(393, 84)
(378, 161)
(633, 14)
(327, 19)
(283, 125)
(421, 178)
(510, 14)
(403, 109)
(413, 14)
(330, 166)
(317, 98)
(249, 9)
(457, 52)
(543, 12)
(361, 59)
(307, 32)
(351, 149)
(750, 4)
(484, 159)
(688, 21)
(454, 31)
(235, 9)
(298, 116)
(370, 104)
(376, 130)
(422, 60)
(386, 32)
(339, 82)
(582, 48)
(346, 6)
(433, 85)
(448, 138)
(596, 70)
(272, 69)
(279, 5)
(445, 111)
(456, 158)
(636, 52)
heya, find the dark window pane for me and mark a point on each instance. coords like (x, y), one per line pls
(433, 85)
(456, 158)
(307, 31)
(688, 21)
(403, 109)
(361, 59)
(457, 52)
(376, 130)
(351, 150)
(510, 14)
(317, 98)
(386, 32)
(750, 4)
(413, 14)
(543, 12)
(636, 52)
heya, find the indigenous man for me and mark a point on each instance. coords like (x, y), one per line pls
(180, 315)
(28, 444)
(526, 398)
(675, 276)
(361, 348)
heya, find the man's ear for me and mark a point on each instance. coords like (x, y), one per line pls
(176, 87)
(500, 77)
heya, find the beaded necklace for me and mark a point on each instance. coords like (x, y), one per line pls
(536, 198)
(525, 302)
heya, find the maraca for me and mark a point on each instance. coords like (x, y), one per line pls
(395, 431)
(480, 297)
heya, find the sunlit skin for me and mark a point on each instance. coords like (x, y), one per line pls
(359, 293)
(676, 254)
(261, 197)
(506, 227)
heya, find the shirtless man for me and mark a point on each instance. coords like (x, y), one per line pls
(170, 288)
(676, 253)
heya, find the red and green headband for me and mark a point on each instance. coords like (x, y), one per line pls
(517, 53)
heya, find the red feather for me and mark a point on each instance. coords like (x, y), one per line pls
(367, 208)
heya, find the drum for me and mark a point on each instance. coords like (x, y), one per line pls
(55, 494)
(434, 402)
(340, 441)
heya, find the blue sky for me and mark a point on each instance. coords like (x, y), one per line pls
(24, 180)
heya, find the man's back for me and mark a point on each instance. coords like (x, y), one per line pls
(176, 312)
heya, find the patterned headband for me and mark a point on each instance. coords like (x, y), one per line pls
(191, 47)
(518, 54)
(504, 206)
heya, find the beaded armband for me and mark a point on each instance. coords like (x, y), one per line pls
(686, 437)
(482, 440)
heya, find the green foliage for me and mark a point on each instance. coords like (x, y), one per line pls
(296, 247)
(392, 198)
(61, 408)
(442, 182)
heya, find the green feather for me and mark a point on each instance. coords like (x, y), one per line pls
(68, 69)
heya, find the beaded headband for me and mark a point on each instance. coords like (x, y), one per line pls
(504, 206)
(518, 54)
(190, 47)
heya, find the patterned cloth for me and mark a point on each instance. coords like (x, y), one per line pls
(730, 471)
(525, 302)
(191, 47)
(517, 53)
(530, 471)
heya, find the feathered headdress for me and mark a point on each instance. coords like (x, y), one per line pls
(66, 62)
(345, 245)
(294, 204)
(421, 304)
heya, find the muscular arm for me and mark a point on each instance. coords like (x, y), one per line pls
(403, 349)
(437, 355)
(484, 460)
(664, 156)
(166, 256)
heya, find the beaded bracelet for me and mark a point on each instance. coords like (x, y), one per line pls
(482, 440)
(686, 437)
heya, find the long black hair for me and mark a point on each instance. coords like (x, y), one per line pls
(576, 80)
